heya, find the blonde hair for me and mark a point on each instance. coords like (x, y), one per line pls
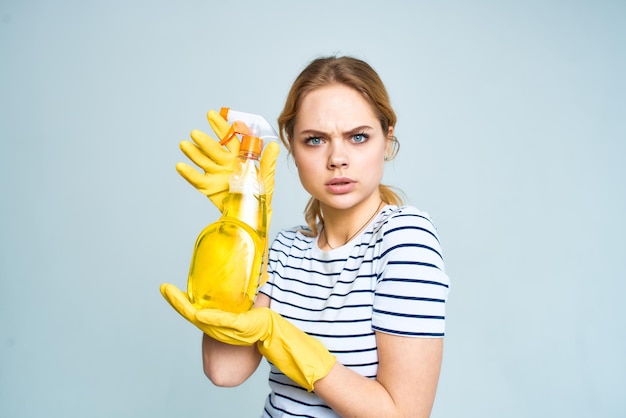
(351, 72)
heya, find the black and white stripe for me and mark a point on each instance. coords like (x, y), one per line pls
(390, 278)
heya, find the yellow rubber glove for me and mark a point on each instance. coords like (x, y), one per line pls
(299, 356)
(218, 163)
(180, 302)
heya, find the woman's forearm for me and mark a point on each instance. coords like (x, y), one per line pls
(405, 386)
(228, 365)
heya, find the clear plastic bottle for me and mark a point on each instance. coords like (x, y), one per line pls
(228, 255)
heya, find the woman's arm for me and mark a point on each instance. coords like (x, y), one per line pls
(230, 365)
(408, 366)
(408, 372)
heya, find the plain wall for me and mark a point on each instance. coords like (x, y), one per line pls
(511, 123)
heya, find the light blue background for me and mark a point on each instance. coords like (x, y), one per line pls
(512, 124)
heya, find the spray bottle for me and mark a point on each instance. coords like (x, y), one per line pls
(228, 255)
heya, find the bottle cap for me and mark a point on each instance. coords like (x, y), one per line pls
(251, 144)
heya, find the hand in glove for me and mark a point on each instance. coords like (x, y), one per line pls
(301, 357)
(180, 302)
(218, 162)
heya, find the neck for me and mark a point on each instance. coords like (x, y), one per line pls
(339, 230)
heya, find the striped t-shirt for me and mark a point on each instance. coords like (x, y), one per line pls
(390, 278)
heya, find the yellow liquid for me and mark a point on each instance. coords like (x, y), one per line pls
(228, 256)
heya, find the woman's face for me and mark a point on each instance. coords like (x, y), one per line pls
(339, 146)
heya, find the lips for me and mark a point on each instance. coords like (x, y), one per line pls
(340, 185)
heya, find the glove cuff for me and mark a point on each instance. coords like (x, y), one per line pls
(302, 358)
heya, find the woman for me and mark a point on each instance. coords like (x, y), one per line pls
(352, 315)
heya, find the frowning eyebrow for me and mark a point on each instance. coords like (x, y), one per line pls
(353, 131)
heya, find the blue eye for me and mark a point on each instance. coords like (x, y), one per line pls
(314, 140)
(359, 138)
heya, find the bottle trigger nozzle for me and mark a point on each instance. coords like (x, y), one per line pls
(251, 124)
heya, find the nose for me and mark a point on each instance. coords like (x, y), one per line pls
(338, 157)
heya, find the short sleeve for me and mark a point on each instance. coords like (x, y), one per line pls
(412, 286)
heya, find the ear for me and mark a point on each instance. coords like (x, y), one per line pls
(389, 140)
